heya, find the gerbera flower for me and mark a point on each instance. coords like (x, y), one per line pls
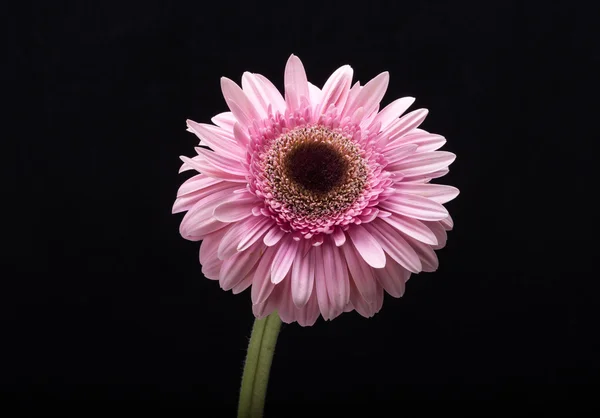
(317, 200)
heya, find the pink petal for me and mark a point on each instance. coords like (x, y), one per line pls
(423, 163)
(437, 192)
(286, 309)
(286, 252)
(275, 99)
(360, 272)
(425, 141)
(201, 188)
(393, 278)
(392, 111)
(210, 136)
(447, 223)
(370, 95)
(395, 245)
(315, 93)
(197, 183)
(367, 246)
(262, 285)
(412, 227)
(255, 233)
(237, 267)
(320, 285)
(399, 153)
(303, 277)
(241, 135)
(244, 284)
(337, 282)
(198, 221)
(428, 258)
(440, 234)
(208, 254)
(402, 126)
(225, 120)
(414, 206)
(227, 165)
(295, 82)
(335, 90)
(339, 237)
(256, 93)
(309, 313)
(238, 102)
(200, 164)
(358, 302)
(229, 244)
(240, 207)
(273, 236)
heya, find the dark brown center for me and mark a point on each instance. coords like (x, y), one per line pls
(316, 166)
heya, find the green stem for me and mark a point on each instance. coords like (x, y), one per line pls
(258, 365)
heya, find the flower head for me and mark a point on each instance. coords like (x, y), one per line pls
(318, 201)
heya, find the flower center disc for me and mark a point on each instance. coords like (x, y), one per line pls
(316, 166)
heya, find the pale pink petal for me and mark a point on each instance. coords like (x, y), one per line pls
(370, 95)
(424, 178)
(397, 154)
(273, 236)
(223, 163)
(275, 99)
(352, 94)
(286, 252)
(361, 273)
(401, 126)
(440, 234)
(367, 246)
(320, 285)
(255, 233)
(238, 102)
(414, 206)
(241, 135)
(262, 285)
(303, 277)
(335, 90)
(315, 94)
(236, 209)
(237, 267)
(339, 236)
(412, 227)
(392, 111)
(295, 82)
(393, 278)
(428, 258)
(423, 163)
(198, 221)
(338, 287)
(198, 189)
(200, 164)
(447, 223)
(211, 265)
(286, 308)
(256, 93)
(425, 141)
(245, 283)
(358, 302)
(229, 244)
(309, 313)
(210, 136)
(437, 192)
(224, 120)
(395, 245)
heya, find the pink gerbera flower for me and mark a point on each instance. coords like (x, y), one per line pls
(318, 201)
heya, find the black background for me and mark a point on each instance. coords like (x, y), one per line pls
(106, 302)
